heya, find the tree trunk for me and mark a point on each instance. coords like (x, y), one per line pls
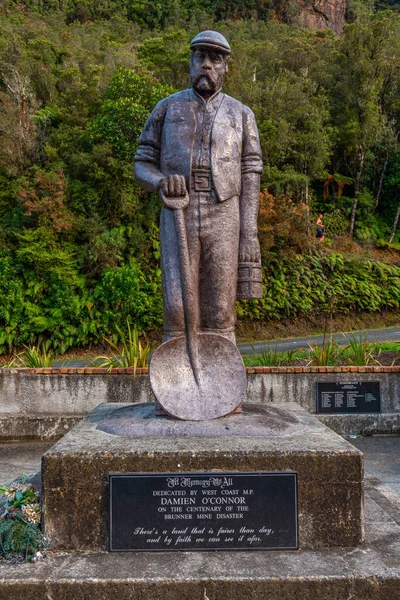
(357, 182)
(306, 194)
(378, 193)
(396, 220)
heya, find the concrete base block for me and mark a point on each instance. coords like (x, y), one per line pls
(214, 576)
(362, 424)
(330, 471)
(371, 572)
(36, 427)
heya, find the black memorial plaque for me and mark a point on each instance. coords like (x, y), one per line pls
(203, 511)
(348, 397)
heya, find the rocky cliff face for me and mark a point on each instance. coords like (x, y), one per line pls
(321, 14)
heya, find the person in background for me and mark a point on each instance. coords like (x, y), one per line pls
(320, 229)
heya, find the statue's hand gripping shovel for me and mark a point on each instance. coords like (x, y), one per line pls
(198, 376)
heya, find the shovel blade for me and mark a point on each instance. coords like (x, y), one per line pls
(222, 378)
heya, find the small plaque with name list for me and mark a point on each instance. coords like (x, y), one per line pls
(203, 511)
(339, 397)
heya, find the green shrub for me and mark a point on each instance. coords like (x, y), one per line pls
(126, 294)
(120, 119)
(60, 309)
(335, 223)
(20, 534)
(380, 243)
(20, 539)
(323, 284)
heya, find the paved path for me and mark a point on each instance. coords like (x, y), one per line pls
(21, 457)
(381, 459)
(374, 335)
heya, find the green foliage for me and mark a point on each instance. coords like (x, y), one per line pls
(126, 294)
(329, 354)
(368, 227)
(277, 76)
(384, 244)
(20, 535)
(120, 119)
(51, 302)
(167, 57)
(270, 357)
(359, 351)
(335, 223)
(21, 496)
(34, 357)
(79, 247)
(130, 353)
(163, 12)
(323, 284)
(19, 539)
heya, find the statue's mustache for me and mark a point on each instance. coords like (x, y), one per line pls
(204, 74)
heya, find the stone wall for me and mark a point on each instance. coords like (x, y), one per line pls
(45, 403)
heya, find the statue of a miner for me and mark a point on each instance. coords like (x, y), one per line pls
(200, 151)
(202, 141)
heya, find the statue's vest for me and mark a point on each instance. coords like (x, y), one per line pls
(226, 142)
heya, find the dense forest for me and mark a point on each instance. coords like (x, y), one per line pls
(79, 246)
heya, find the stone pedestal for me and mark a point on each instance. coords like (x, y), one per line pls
(123, 438)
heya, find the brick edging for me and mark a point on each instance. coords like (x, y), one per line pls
(144, 371)
(344, 369)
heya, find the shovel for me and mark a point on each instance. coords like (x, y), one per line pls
(197, 376)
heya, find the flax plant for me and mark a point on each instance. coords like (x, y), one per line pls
(359, 352)
(329, 354)
(33, 357)
(130, 353)
(271, 357)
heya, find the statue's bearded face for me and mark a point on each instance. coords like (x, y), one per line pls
(207, 71)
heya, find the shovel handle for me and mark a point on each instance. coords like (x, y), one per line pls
(189, 295)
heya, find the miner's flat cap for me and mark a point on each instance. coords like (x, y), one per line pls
(211, 39)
